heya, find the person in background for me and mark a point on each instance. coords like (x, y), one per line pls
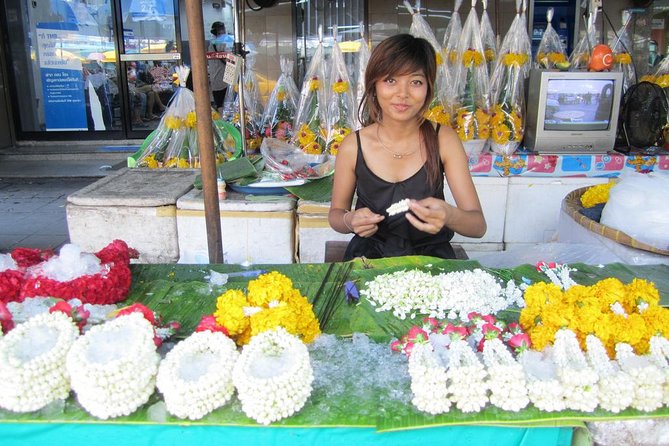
(140, 81)
(399, 155)
(216, 67)
(654, 56)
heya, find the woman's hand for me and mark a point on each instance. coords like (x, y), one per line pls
(363, 221)
(429, 214)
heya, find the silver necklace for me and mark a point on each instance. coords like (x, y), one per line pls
(396, 155)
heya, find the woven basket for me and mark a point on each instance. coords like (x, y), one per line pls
(572, 204)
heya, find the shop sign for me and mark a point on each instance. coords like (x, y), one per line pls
(62, 78)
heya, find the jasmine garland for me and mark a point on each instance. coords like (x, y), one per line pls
(273, 376)
(196, 375)
(32, 362)
(113, 366)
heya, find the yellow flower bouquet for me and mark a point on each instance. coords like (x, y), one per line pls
(551, 53)
(310, 123)
(507, 127)
(271, 302)
(471, 88)
(341, 104)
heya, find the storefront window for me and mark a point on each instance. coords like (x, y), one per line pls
(63, 59)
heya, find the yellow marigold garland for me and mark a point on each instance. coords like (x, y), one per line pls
(472, 58)
(596, 194)
(623, 58)
(609, 309)
(271, 302)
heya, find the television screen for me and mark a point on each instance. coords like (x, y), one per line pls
(578, 104)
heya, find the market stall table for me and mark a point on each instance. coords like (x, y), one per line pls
(183, 292)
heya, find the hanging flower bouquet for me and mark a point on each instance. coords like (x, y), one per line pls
(439, 110)
(113, 366)
(488, 38)
(195, 377)
(271, 302)
(103, 278)
(341, 106)
(174, 142)
(507, 89)
(32, 362)
(310, 132)
(551, 53)
(472, 109)
(282, 105)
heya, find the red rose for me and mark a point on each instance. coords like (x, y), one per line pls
(208, 323)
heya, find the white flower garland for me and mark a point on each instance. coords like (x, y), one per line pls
(506, 379)
(113, 366)
(273, 376)
(659, 350)
(429, 383)
(616, 388)
(579, 380)
(543, 386)
(195, 377)
(467, 377)
(648, 378)
(32, 362)
(453, 295)
(398, 207)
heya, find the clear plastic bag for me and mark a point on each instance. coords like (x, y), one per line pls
(622, 59)
(174, 142)
(282, 105)
(661, 74)
(472, 107)
(341, 103)
(637, 207)
(310, 132)
(291, 162)
(361, 66)
(550, 54)
(439, 110)
(488, 38)
(507, 89)
(451, 39)
(580, 57)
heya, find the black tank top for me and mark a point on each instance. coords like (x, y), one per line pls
(396, 236)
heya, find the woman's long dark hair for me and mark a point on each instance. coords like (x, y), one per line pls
(398, 55)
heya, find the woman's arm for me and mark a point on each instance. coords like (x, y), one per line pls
(362, 222)
(466, 218)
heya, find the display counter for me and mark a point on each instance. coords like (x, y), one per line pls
(182, 292)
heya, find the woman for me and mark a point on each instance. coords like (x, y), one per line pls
(400, 155)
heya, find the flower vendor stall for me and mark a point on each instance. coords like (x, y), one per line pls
(348, 352)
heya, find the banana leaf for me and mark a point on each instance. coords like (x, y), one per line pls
(319, 190)
(183, 293)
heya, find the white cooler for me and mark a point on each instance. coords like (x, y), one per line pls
(134, 205)
(314, 230)
(253, 231)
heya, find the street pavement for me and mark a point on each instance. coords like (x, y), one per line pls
(35, 184)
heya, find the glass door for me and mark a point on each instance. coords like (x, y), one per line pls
(149, 52)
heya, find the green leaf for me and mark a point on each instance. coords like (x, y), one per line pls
(319, 190)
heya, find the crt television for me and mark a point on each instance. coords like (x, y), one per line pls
(572, 112)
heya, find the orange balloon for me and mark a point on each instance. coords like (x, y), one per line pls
(601, 58)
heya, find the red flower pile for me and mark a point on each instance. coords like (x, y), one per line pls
(161, 331)
(107, 287)
(11, 280)
(479, 329)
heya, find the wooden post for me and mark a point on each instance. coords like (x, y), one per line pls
(205, 136)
